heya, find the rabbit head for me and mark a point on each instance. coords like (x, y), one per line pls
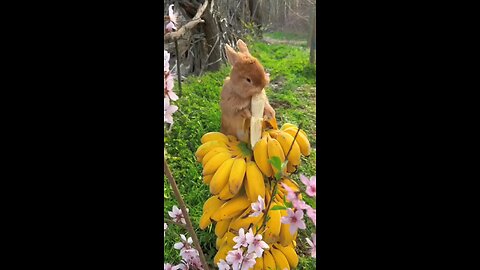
(248, 76)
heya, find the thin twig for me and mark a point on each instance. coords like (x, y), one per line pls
(189, 226)
(178, 69)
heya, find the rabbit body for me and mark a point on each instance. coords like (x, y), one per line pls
(247, 79)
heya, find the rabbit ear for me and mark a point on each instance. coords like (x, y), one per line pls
(231, 54)
(243, 47)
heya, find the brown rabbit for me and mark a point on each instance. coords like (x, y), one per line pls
(247, 79)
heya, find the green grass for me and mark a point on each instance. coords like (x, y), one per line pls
(291, 93)
(287, 36)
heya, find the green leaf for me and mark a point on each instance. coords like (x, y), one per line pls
(246, 151)
(276, 162)
(284, 164)
(289, 204)
(279, 207)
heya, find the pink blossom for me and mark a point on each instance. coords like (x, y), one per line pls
(235, 258)
(248, 261)
(167, 266)
(255, 243)
(241, 239)
(180, 266)
(258, 207)
(313, 245)
(176, 214)
(168, 88)
(184, 244)
(312, 214)
(165, 227)
(291, 195)
(166, 59)
(223, 265)
(189, 254)
(170, 27)
(295, 220)
(168, 116)
(311, 185)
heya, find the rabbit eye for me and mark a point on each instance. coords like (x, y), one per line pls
(248, 80)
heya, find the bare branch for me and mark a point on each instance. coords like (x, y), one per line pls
(171, 37)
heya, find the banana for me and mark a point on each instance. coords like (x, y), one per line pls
(203, 149)
(268, 261)
(207, 178)
(215, 162)
(222, 252)
(258, 263)
(214, 136)
(260, 154)
(231, 208)
(254, 183)
(280, 260)
(273, 225)
(290, 254)
(212, 153)
(244, 221)
(301, 139)
(286, 141)
(218, 243)
(274, 150)
(221, 227)
(288, 125)
(237, 175)
(290, 183)
(209, 207)
(232, 138)
(286, 237)
(225, 194)
(220, 178)
(291, 168)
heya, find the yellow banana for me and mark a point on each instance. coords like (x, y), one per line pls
(218, 243)
(220, 178)
(244, 221)
(258, 263)
(275, 150)
(286, 141)
(290, 254)
(291, 168)
(225, 194)
(260, 154)
(254, 182)
(207, 178)
(221, 227)
(215, 162)
(212, 153)
(268, 261)
(301, 139)
(214, 136)
(209, 207)
(286, 237)
(222, 253)
(231, 208)
(232, 138)
(226, 239)
(288, 125)
(237, 175)
(280, 260)
(203, 149)
(290, 183)
(273, 225)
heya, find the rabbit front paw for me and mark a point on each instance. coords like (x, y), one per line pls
(245, 113)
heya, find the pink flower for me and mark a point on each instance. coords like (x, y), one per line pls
(255, 244)
(241, 239)
(170, 27)
(185, 244)
(167, 266)
(248, 261)
(312, 214)
(291, 195)
(235, 258)
(258, 207)
(166, 59)
(311, 185)
(168, 111)
(168, 88)
(313, 245)
(177, 215)
(295, 220)
(180, 266)
(223, 265)
(165, 227)
(189, 254)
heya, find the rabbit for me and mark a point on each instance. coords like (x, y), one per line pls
(246, 79)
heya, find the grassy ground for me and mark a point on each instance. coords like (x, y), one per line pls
(291, 93)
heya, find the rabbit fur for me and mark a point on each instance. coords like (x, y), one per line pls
(246, 79)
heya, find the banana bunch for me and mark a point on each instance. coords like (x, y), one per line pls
(277, 142)
(281, 252)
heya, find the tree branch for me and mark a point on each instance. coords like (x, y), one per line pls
(171, 37)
